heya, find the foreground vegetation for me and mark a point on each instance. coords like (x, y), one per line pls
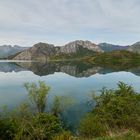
(116, 115)
(115, 111)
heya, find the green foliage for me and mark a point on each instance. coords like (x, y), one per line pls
(116, 56)
(13, 124)
(117, 59)
(37, 94)
(38, 126)
(65, 135)
(8, 128)
(119, 108)
(22, 123)
(115, 110)
(91, 126)
(45, 126)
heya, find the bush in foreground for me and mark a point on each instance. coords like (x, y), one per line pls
(115, 116)
(115, 110)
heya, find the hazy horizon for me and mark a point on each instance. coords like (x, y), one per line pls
(58, 22)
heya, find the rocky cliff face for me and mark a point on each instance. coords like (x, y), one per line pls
(43, 51)
(40, 51)
(75, 46)
(135, 48)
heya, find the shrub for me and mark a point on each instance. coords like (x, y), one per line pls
(45, 126)
(8, 129)
(119, 108)
(37, 94)
(115, 110)
(91, 126)
(65, 135)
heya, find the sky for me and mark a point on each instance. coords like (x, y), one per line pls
(26, 22)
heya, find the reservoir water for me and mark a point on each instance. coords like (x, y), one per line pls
(74, 82)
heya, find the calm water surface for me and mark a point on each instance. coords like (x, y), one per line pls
(74, 81)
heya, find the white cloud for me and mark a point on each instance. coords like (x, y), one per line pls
(26, 22)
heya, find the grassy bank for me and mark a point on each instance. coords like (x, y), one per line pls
(108, 58)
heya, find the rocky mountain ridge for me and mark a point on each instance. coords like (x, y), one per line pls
(135, 47)
(107, 47)
(72, 47)
(42, 51)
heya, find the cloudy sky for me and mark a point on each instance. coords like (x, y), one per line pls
(25, 22)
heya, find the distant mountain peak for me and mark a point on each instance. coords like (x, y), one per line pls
(8, 50)
(107, 47)
(72, 47)
(42, 51)
(135, 47)
(137, 43)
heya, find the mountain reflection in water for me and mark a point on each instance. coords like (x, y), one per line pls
(76, 69)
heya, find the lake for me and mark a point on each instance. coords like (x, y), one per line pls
(73, 81)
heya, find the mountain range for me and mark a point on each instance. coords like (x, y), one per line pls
(8, 50)
(42, 51)
(106, 47)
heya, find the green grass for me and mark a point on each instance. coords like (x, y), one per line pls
(108, 59)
